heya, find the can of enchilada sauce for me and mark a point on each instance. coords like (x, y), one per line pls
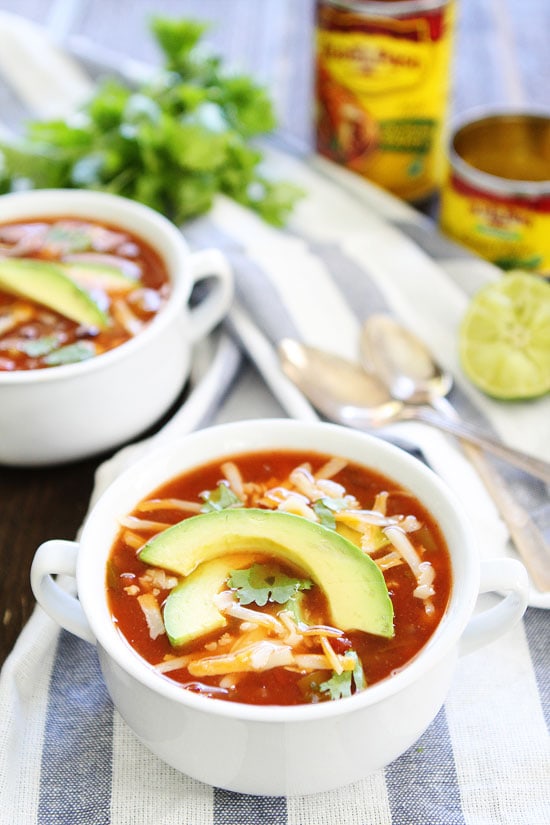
(496, 198)
(382, 89)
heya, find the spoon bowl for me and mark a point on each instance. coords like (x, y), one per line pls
(402, 361)
(338, 388)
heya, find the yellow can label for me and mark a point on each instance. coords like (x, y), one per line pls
(382, 93)
(512, 232)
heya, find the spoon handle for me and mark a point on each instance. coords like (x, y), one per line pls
(526, 537)
(528, 540)
(529, 464)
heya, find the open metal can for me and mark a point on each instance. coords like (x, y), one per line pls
(496, 198)
(382, 89)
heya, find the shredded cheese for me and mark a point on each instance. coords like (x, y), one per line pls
(226, 604)
(292, 637)
(423, 570)
(16, 314)
(318, 661)
(404, 547)
(332, 467)
(304, 482)
(169, 504)
(381, 502)
(234, 477)
(173, 663)
(157, 577)
(133, 540)
(357, 519)
(388, 561)
(332, 658)
(320, 630)
(259, 656)
(295, 504)
(153, 616)
(125, 317)
(135, 523)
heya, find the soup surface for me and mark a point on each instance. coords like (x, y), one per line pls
(278, 643)
(71, 289)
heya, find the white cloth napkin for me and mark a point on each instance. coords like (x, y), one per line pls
(65, 754)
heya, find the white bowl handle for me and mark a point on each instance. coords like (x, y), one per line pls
(53, 557)
(506, 576)
(210, 263)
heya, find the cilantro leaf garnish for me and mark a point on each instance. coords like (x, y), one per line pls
(222, 498)
(70, 239)
(324, 514)
(295, 606)
(264, 582)
(35, 347)
(325, 507)
(340, 685)
(71, 354)
(358, 673)
(173, 141)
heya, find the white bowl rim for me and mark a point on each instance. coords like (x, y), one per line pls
(44, 202)
(444, 639)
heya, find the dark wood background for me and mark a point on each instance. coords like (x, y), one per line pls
(501, 57)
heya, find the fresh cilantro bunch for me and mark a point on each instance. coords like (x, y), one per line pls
(173, 143)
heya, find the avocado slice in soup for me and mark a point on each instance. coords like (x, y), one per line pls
(99, 276)
(353, 585)
(189, 611)
(48, 285)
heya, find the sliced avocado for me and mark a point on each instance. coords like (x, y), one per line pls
(99, 276)
(189, 611)
(47, 284)
(354, 586)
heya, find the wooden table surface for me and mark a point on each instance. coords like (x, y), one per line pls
(501, 58)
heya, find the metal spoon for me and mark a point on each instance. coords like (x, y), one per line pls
(411, 374)
(345, 393)
(403, 363)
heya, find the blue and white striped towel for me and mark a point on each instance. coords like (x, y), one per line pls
(66, 757)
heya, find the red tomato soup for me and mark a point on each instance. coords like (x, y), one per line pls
(268, 634)
(71, 289)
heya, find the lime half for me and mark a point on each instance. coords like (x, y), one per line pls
(504, 337)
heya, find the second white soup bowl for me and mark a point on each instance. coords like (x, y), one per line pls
(73, 411)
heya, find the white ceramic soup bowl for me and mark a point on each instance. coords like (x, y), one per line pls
(277, 750)
(69, 412)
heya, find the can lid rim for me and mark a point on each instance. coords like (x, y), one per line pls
(379, 8)
(494, 183)
(497, 185)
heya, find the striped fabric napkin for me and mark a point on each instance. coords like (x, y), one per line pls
(66, 757)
